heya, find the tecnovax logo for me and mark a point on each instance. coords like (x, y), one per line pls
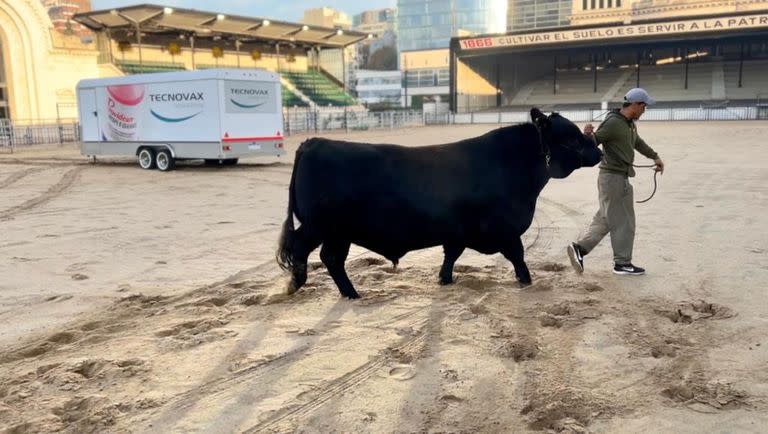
(170, 119)
(262, 92)
(177, 97)
(247, 106)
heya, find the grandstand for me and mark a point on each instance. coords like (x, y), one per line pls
(724, 65)
(319, 88)
(151, 38)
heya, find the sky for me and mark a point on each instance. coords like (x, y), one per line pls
(280, 10)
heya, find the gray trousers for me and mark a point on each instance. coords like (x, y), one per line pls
(615, 216)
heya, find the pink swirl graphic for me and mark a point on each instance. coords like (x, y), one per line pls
(129, 94)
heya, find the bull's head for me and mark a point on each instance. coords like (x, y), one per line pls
(569, 149)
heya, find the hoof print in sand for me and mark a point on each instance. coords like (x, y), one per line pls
(715, 395)
(192, 333)
(688, 312)
(553, 267)
(402, 372)
(518, 349)
(564, 410)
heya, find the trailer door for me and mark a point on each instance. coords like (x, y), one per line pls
(89, 117)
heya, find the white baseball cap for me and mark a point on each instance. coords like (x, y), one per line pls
(639, 94)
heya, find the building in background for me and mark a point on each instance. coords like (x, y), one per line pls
(684, 52)
(39, 65)
(627, 11)
(382, 23)
(538, 14)
(429, 24)
(426, 76)
(375, 21)
(375, 54)
(327, 17)
(424, 32)
(379, 89)
(335, 63)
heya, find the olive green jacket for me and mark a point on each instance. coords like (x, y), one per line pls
(619, 138)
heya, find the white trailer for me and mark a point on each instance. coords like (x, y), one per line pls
(217, 115)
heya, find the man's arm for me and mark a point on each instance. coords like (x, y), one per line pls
(646, 150)
(606, 132)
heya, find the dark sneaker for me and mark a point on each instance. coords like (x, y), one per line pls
(628, 270)
(577, 257)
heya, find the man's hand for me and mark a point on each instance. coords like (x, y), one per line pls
(589, 130)
(659, 165)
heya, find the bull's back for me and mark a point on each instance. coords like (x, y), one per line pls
(369, 191)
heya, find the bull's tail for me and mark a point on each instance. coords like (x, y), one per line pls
(286, 251)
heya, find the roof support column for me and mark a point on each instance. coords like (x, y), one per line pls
(594, 73)
(237, 51)
(405, 78)
(138, 41)
(554, 81)
(344, 68)
(686, 67)
(638, 68)
(741, 63)
(192, 44)
(452, 83)
(109, 43)
(498, 84)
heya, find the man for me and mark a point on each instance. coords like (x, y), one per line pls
(618, 135)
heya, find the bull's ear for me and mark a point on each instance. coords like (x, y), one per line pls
(539, 119)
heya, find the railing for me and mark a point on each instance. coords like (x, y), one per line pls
(14, 133)
(316, 120)
(594, 115)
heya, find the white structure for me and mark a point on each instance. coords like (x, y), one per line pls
(380, 87)
(214, 114)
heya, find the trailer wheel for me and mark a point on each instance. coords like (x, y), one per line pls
(229, 161)
(164, 160)
(146, 159)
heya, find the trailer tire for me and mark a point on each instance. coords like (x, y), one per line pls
(146, 158)
(164, 160)
(229, 162)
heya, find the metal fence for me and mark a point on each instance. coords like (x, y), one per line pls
(15, 133)
(305, 120)
(651, 114)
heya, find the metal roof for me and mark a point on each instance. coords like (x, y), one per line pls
(158, 24)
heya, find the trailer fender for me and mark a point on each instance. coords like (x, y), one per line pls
(156, 147)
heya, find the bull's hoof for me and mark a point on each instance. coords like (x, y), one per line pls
(524, 281)
(444, 281)
(352, 296)
(291, 288)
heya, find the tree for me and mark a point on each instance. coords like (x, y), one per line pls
(384, 59)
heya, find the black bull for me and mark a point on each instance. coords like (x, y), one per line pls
(478, 193)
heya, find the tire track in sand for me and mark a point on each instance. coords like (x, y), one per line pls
(18, 175)
(66, 181)
(288, 413)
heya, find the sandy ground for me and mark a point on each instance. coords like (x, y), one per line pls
(136, 301)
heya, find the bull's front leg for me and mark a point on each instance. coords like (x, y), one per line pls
(515, 253)
(452, 253)
(333, 254)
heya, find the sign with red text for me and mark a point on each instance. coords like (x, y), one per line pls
(617, 32)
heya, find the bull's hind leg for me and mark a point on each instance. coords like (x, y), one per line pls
(304, 244)
(515, 253)
(452, 253)
(333, 254)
